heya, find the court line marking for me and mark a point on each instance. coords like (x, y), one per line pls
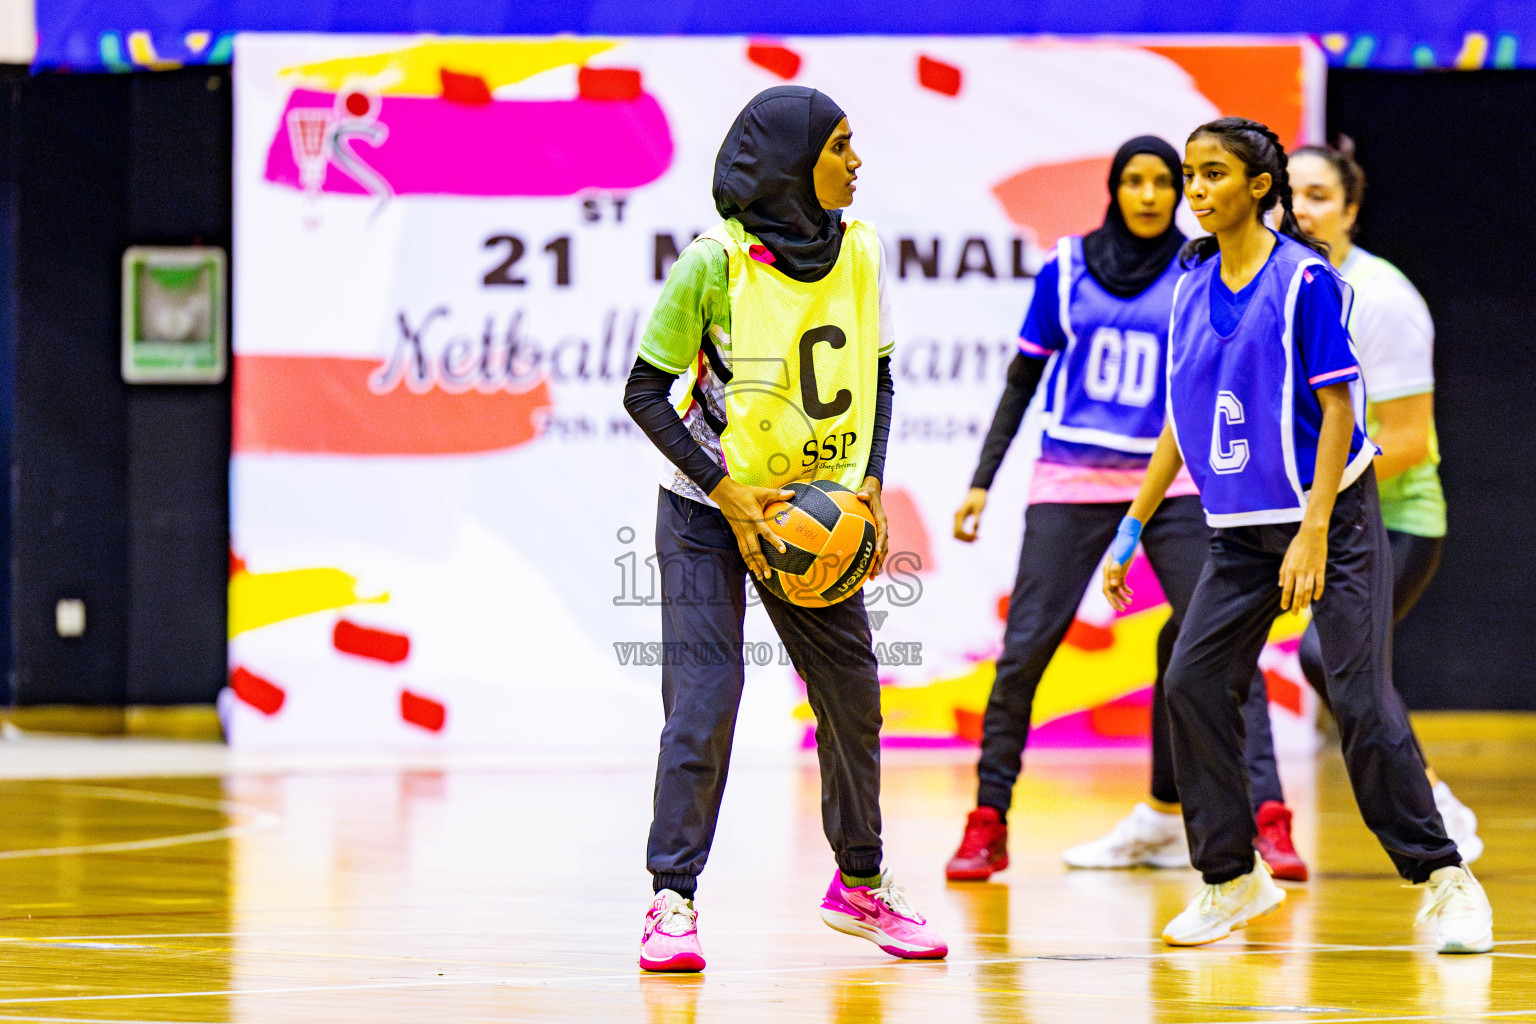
(631, 975)
(1279, 1020)
(1285, 1020)
(150, 796)
(1159, 949)
(1438, 1015)
(258, 820)
(1257, 948)
(713, 931)
(95, 1020)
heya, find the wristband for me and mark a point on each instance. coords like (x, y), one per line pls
(1123, 548)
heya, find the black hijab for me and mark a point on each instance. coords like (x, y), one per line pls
(1124, 263)
(763, 178)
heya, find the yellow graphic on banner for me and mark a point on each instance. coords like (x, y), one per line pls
(1075, 681)
(141, 47)
(260, 599)
(417, 70)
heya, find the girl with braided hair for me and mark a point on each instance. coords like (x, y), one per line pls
(1274, 436)
(1098, 326)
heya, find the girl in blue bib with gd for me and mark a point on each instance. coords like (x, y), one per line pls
(1095, 335)
(1266, 407)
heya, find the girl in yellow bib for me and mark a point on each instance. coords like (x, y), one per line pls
(777, 322)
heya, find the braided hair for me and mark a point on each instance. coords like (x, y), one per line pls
(1261, 153)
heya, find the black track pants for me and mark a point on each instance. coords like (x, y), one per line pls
(1414, 561)
(704, 600)
(1228, 621)
(1063, 544)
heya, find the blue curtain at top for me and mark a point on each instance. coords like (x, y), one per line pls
(121, 35)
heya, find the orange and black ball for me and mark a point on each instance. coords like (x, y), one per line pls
(829, 536)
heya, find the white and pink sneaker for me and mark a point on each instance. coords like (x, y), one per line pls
(883, 916)
(670, 941)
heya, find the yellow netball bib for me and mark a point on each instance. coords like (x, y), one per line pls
(800, 405)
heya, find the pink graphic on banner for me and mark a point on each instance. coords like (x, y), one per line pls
(444, 146)
(339, 414)
(1052, 200)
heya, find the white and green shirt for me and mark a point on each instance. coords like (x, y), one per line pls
(1395, 338)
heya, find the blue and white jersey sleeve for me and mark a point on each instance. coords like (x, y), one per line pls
(1326, 355)
(1041, 336)
(1322, 337)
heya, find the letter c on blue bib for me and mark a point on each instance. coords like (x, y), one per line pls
(1234, 456)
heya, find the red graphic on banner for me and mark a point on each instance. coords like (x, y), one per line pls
(365, 642)
(459, 88)
(938, 76)
(1128, 718)
(315, 405)
(423, 711)
(780, 60)
(1089, 636)
(608, 84)
(260, 694)
(1283, 692)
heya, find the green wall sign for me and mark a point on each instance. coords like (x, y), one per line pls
(173, 315)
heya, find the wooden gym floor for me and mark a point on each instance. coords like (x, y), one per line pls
(183, 883)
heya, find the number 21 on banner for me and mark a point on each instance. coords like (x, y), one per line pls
(505, 272)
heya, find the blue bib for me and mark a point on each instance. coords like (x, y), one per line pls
(1234, 401)
(1105, 400)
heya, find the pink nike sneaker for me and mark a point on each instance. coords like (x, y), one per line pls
(670, 941)
(883, 916)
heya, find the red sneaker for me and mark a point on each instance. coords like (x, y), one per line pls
(1274, 842)
(983, 848)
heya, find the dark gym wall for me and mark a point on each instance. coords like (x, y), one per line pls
(121, 492)
(121, 495)
(12, 79)
(1448, 158)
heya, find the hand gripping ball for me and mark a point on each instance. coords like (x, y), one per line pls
(829, 536)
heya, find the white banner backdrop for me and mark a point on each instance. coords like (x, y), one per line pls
(445, 252)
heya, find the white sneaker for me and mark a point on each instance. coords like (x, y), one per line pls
(1460, 823)
(1220, 908)
(1143, 838)
(1465, 922)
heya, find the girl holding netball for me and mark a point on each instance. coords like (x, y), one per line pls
(1395, 337)
(1267, 411)
(786, 299)
(1100, 314)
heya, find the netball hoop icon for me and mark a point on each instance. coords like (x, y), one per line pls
(309, 133)
(320, 137)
